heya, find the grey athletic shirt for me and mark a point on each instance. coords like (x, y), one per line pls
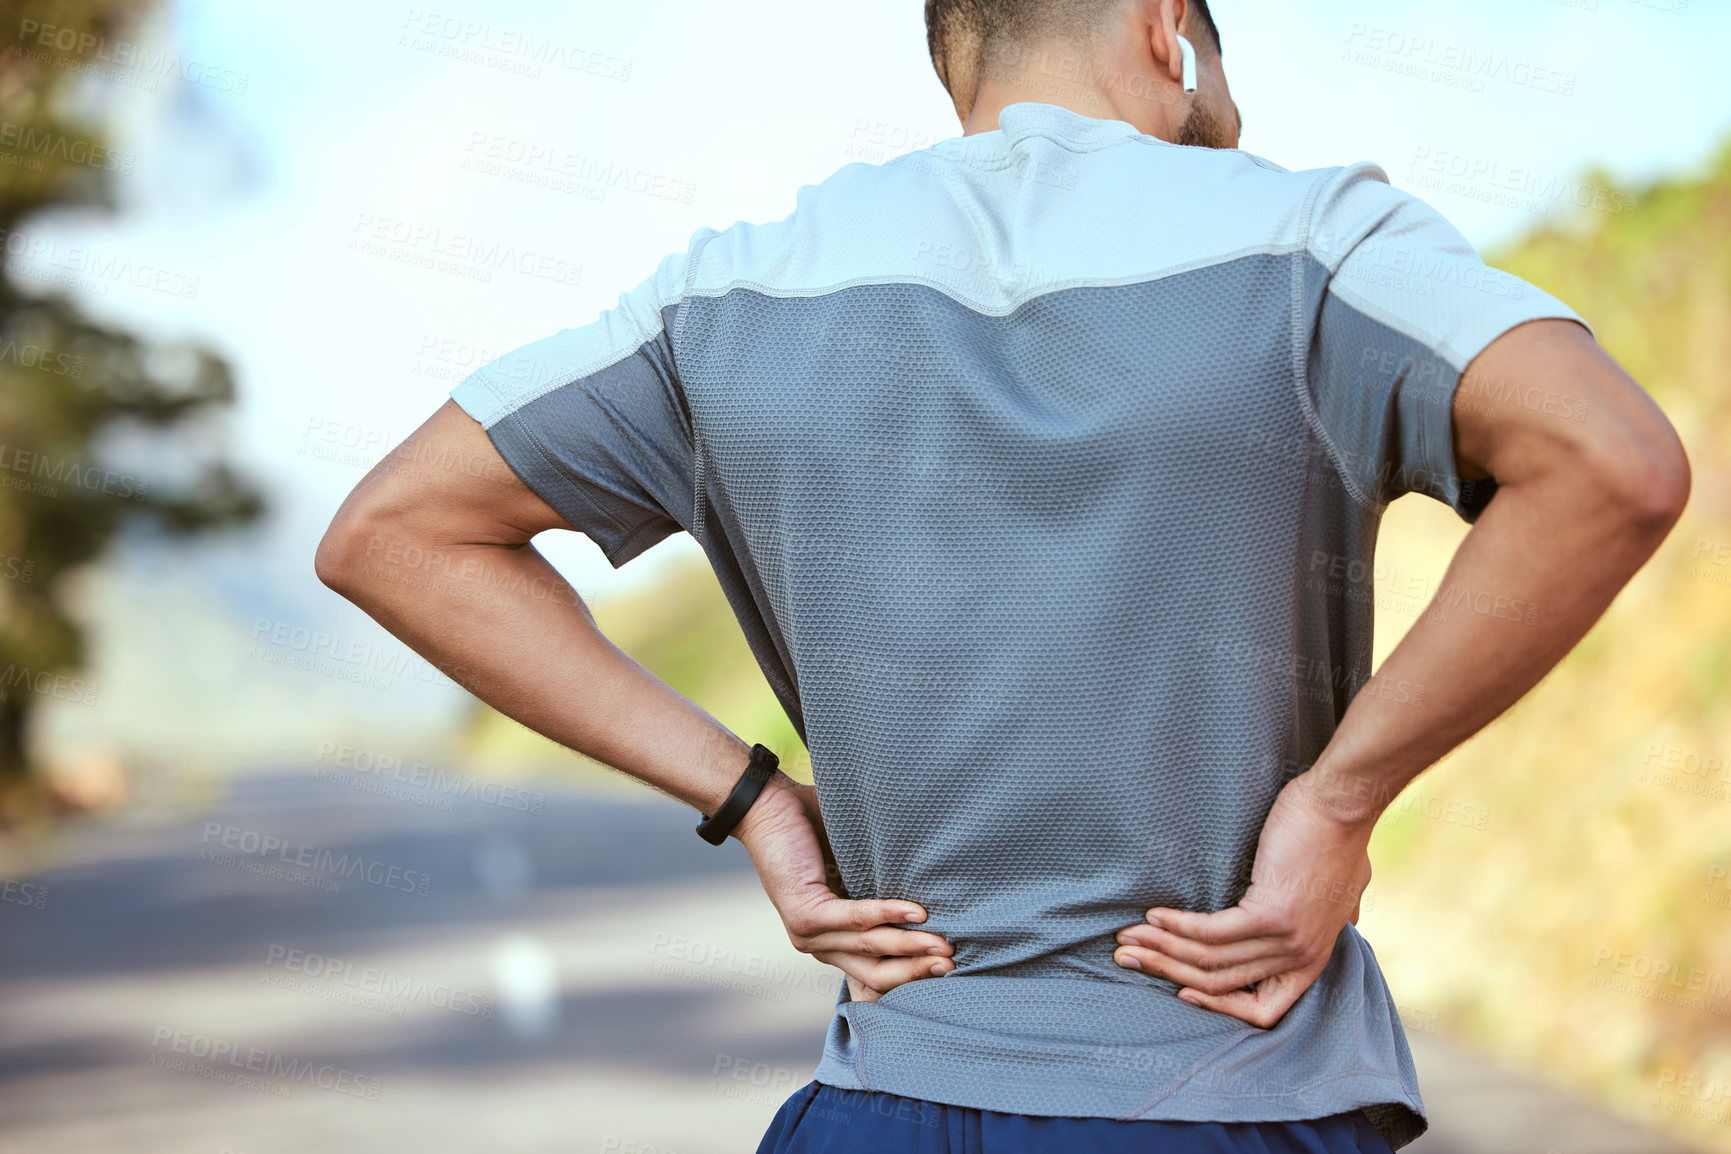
(1043, 469)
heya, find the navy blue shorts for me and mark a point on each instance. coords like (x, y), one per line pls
(822, 1119)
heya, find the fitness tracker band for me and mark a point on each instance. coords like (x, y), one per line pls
(715, 828)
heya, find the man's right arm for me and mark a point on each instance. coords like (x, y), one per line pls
(1579, 507)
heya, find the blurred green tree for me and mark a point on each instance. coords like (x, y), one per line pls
(67, 381)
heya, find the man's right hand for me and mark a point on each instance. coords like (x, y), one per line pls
(866, 940)
(1307, 878)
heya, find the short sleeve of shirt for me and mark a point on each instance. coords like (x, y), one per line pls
(593, 420)
(1401, 305)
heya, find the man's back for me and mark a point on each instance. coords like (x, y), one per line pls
(1040, 467)
(982, 423)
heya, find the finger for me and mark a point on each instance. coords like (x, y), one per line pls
(843, 914)
(1263, 1008)
(1228, 925)
(880, 941)
(1203, 957)
(1220, 981)
(884, 974)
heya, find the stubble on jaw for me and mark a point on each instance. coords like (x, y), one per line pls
(1202, 129)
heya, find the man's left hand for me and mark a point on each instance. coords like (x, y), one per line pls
(876, 943)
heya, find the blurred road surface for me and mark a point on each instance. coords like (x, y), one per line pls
(314, 967)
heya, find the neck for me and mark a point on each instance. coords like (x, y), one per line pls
(1155, 104)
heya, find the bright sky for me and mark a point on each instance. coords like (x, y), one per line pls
(324, 119)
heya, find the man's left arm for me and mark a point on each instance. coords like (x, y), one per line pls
(435, 544)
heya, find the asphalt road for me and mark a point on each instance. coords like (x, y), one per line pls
(313, 967)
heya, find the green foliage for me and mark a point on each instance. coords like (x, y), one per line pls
(1606, 853)
(67, 381)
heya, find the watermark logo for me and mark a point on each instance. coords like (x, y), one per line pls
(253, 1068)
(328, 655)
(313, 866)
(31, 895)
(122, 62)
(365, 987)
(1520, 187)
(381, 773)
(515, 51)
(545, 165)
(458, 254)
(1467, 67)
(45, 683)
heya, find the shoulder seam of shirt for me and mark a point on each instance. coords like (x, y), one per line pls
(692, 258)
(699, 458)
(499, 410)
(586, 369)
(1364, 304)
(645, 334)
(1301, 344)
(1377, 175)
(1015, 302)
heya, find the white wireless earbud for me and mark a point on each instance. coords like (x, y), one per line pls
(1188, 52)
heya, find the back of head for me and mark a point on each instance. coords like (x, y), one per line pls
(970, 39)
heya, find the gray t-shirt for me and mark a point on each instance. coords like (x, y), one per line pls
(1043, 469)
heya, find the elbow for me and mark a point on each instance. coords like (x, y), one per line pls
(1649, 482)
(341, 554)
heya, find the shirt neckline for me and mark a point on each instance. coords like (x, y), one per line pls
(1027, 118)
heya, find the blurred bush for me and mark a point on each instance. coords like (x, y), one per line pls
(1585, 931)
(67, 382)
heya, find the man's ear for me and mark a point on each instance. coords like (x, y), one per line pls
(1168, 17)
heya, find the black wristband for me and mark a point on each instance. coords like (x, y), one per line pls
(714, 830)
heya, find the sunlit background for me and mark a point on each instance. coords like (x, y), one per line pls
(334, 212)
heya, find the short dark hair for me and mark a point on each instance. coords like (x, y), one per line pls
(972, 26)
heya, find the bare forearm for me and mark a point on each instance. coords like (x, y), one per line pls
(501, 622)
(1539, 567)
